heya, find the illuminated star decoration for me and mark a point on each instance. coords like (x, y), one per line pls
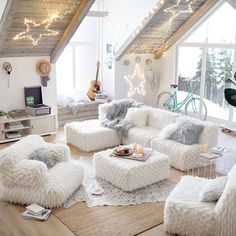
(136, 82)
(30, 24)
(175, 12)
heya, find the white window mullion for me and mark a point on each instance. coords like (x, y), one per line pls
(176, 61)
(203, 73)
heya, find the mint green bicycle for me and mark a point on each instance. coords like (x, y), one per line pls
(191, 106)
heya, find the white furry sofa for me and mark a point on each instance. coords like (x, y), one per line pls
(184, 214)
(26, 181)
(90, 136)
(182, 157)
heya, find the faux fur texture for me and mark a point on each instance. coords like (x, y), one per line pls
(136, 116)
(168, 130)
(187, 133)
(51, 154)
(24, 181)
(116, 113)
(209, 133)
(60, 152)
(213, 189)
(25, 173)
(43, 154)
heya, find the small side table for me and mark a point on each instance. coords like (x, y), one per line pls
(208, 159)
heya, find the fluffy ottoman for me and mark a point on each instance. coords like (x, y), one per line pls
(130, 175)
(90, 136)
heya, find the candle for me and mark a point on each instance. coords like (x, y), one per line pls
(205, 147)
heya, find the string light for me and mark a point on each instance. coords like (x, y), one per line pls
(175, 12)
(58, 13)
(163, 33)
(136, 82)
(30, 24)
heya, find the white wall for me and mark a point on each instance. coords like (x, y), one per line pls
(121, 85)
(124, 17)
(23, 75)
(166, 67)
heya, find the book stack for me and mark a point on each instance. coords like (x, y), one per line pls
(209, 155)
(15, 125)
(13, 134)
(36, 212)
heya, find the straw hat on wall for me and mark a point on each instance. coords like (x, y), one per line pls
(43, 67)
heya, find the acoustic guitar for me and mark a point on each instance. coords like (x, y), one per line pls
(95, 86)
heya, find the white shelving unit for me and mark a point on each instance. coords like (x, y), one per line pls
(42, 125)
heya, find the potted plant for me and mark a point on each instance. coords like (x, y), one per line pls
(3, 114)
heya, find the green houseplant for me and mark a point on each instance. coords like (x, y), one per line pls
(3, 114)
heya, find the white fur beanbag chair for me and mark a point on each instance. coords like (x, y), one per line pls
(25, 181)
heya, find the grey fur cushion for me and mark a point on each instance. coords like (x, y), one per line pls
(43, 154)
(187, 133)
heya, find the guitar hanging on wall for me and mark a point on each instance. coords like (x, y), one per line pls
(95, 86)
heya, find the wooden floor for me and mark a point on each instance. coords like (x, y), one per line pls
(12, 223)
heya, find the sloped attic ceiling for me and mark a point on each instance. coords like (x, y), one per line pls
(40, 27)
(166, 23)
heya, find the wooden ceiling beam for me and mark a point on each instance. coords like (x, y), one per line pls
(76, 20)
(186, 26)
(6, 21)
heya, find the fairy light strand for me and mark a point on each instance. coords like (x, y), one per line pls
(58, 13)
(30, 24)
(164, 31)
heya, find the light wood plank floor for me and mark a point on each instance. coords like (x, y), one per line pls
(12, 223)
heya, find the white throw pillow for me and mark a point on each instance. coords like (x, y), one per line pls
(136, 116)
(213, 189)
(168, 130)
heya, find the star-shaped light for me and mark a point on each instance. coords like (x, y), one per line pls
(136, 82)
(31, 25)
(175, 12)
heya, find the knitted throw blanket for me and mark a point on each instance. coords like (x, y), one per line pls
(115, 116)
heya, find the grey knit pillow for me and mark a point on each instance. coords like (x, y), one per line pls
(43, 154)
(187, 133)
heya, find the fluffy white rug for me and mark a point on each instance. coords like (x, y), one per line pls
(114, 196)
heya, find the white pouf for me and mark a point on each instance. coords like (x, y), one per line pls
(90, 135)
(130, 175)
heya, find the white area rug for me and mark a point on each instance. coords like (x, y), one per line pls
(114, 196)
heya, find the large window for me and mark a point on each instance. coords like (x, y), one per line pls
(206, 60)
(76, 66)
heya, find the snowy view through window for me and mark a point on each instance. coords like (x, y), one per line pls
(205, 62)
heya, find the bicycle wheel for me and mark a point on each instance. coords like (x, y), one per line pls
(165, 101)
(196, 108)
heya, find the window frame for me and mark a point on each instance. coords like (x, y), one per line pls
(205, 47)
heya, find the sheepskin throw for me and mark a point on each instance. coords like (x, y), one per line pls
(115, 116)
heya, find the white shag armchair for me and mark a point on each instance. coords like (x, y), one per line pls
(25, 181)
(184, 214)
